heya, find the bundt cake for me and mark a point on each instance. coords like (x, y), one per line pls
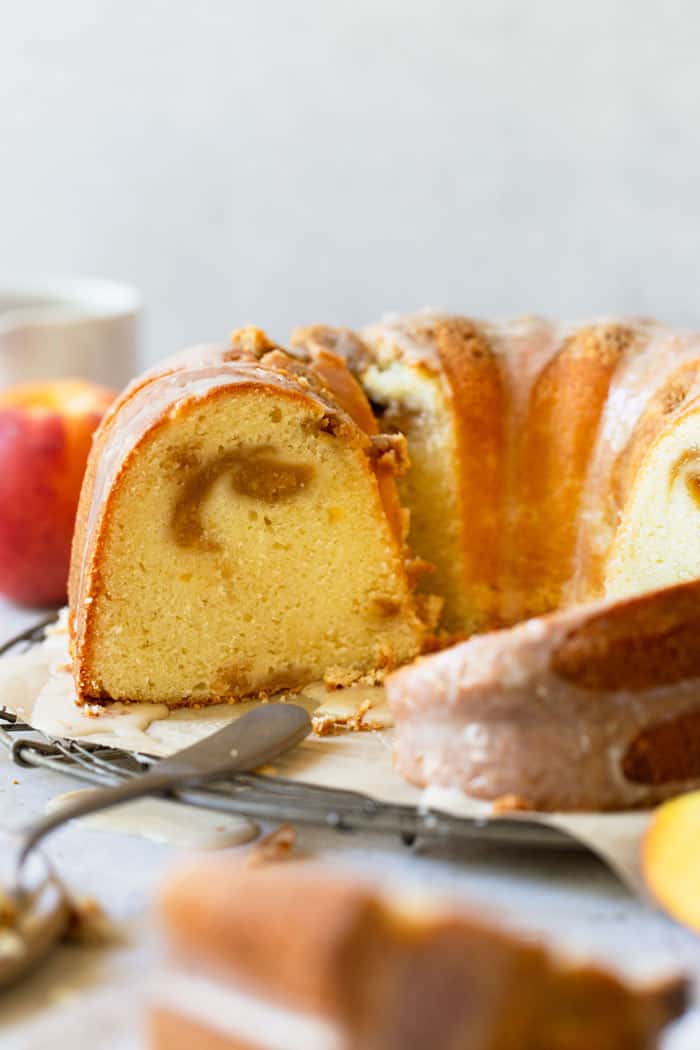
(595, 707)
(553, 467)
(297, 957)
(239, 533)
(550, 463)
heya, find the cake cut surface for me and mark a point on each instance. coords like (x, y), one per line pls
(238, 534)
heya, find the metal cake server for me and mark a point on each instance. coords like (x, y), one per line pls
(35, 911)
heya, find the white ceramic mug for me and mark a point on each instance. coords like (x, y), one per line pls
(78, 327)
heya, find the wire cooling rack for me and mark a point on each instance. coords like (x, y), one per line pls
(259, 796)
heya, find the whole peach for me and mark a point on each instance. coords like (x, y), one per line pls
(45, 436)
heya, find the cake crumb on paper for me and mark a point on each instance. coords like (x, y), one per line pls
(273, 848)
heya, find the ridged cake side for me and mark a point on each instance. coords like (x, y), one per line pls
(537, 455)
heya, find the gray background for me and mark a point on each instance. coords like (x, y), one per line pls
(278, 162)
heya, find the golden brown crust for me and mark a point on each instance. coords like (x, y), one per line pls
(331, 380)
(475, 380)
(527, 399)
(553, 458)
(252, 340)
(341, 342)
(639, 644)
(553, 422)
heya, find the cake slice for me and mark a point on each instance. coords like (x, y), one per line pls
(296, 957)
(413, 393)
(238, 533)
(591, 708)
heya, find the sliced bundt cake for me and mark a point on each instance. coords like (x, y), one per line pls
(550, 463)
(297, 956)
(238, 533)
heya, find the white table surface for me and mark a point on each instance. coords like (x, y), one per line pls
(78, 998)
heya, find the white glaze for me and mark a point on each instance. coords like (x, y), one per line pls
(56, 713)
(161, 820)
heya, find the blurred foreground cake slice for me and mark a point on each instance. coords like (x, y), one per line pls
(296, 957)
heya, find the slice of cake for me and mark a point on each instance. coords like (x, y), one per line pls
(239, 533)
(293, 957)
(551, 463)
(591, 708)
